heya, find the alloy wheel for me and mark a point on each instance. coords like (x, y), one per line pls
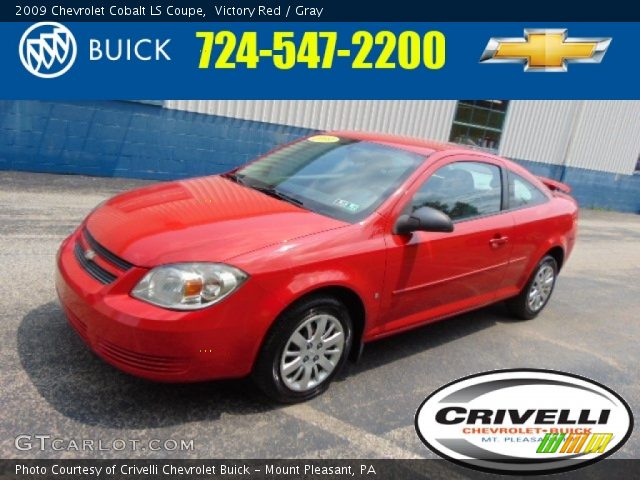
(312, 352)
(541, 287)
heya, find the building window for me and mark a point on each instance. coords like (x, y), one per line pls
(479, 123)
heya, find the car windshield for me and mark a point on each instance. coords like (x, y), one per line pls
(339, 177)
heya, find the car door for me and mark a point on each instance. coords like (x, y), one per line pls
(430, 274)
(534, 225)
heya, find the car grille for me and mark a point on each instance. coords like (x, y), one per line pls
(141, 361)
(106, 254)
(93, 268)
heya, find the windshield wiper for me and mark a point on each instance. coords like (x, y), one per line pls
(234, 177)
(273, 192)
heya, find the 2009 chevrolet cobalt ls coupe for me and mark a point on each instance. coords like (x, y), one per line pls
(285, 267)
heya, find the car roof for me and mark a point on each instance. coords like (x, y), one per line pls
(427, 147)
(422, 147)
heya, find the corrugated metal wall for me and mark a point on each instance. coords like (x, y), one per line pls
(598, 135)
(606, 136)
(601, 135)
(538, 130)
(422, 119)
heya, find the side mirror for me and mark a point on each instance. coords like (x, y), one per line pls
(424, 219)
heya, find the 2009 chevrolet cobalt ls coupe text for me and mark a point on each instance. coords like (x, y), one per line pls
(285, 267)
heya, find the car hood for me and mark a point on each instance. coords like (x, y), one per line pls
(203, 219)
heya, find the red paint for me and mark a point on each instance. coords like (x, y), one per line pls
(403, 281)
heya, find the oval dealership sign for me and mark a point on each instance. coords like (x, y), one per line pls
(524, 421)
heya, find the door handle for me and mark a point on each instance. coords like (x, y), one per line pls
(496, 242)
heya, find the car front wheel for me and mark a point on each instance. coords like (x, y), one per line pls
(305, 349)
(537, 292)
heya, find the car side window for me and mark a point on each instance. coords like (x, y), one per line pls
(523, 193)
(462, 190)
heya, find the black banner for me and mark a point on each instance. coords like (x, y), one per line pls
(311, 10)
(280, 470)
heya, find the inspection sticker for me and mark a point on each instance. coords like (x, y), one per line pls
(347, 205)
(324, 139)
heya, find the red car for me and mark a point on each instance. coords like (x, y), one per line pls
(285, 267)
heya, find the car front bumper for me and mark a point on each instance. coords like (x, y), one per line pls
(220, 341)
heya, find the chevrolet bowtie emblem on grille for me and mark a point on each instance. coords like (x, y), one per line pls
(545, 50)
(89, 254)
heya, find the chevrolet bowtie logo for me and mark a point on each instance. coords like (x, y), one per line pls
(545, 50)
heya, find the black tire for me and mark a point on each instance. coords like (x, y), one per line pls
(266, 371)
(519, 305)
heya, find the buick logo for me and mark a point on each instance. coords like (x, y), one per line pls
(89, 254)
(47, 49)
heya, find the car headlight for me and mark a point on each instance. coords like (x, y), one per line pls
(188, 286)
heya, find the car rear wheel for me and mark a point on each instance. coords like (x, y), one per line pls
(305, 349)
(537, 292)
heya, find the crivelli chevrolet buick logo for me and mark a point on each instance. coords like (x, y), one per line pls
(47, 49)
(524, 421)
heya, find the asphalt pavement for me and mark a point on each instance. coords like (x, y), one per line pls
(54, 387)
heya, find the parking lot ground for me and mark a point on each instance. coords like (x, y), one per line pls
(52, 385)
